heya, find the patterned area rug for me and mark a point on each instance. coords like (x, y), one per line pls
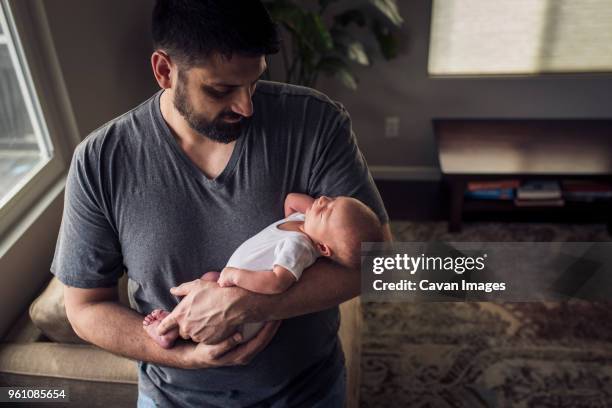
(471, 355)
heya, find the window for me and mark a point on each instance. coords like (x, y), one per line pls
(24, 142)
(38, 131)
(492, 37)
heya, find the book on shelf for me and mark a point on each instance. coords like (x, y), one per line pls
(586, 190)
(493, 185)
(554, 202)
(539, 190)
(491, 194)
(491, 189)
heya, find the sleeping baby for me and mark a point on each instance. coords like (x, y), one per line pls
(274, 259)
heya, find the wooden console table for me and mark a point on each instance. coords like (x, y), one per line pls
(473, 149)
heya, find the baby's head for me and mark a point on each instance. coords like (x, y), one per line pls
(339, 225)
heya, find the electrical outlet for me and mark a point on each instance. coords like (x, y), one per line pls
(392, 126)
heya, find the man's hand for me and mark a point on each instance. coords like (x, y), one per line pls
(208, 313)
(227, 353)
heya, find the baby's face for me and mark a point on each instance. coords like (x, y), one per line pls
(322, 218)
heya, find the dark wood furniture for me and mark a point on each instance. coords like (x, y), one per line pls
(474, 149)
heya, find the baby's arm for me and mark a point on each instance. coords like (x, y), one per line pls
(266, 282)
(297, 202)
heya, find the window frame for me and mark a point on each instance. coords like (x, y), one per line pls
(30, 31)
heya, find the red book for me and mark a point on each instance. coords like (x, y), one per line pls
(493, 185)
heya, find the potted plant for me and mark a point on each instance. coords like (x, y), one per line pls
(326, 36)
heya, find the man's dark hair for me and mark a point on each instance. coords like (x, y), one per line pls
(192, 30)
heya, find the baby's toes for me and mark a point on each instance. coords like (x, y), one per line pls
(162, 314)
(151, 315)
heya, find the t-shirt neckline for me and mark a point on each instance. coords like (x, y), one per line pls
(192, 167)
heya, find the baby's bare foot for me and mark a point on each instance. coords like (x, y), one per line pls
(150, 323)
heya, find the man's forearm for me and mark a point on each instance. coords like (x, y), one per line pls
(325, 284)
(118, 329)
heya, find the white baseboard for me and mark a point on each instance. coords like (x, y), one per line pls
(416, 173)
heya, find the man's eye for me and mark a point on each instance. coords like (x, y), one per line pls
(217, 94)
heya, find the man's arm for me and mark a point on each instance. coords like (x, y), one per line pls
(325, 285)
(98, 317)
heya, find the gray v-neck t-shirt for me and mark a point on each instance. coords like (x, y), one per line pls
(136, 204)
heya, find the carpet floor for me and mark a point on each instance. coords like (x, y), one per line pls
(472, 355)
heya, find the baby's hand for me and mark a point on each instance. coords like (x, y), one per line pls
(227, 277)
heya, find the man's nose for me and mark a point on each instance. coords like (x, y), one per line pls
(243, 104)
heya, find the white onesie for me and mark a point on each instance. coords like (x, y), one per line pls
(292, 250)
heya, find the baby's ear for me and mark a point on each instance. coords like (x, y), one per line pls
(324, 249)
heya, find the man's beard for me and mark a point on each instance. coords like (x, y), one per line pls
(217, 129)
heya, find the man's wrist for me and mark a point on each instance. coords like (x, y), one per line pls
(185, 354)
(260, 307)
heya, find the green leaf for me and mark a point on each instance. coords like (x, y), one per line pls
(388, 44)
(315, 33)
(347, 78)
(338, 68)
(308, 28)
(286, 12)
(356, 52)
(346, 45)
(389, 9)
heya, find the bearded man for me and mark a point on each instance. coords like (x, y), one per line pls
(170, 189)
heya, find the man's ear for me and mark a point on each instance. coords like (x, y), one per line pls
(324, 249)
(162, 68)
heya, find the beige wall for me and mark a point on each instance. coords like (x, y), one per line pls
(25, 265)
(103, 48)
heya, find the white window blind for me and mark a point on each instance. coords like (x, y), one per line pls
(493, 37)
